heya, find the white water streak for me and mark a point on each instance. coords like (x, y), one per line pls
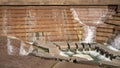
(30, 21)
(4, 27)
(5, 31)
(76, 17)
(89, 34)
(9, 47)
(22, 50)
(116, 42)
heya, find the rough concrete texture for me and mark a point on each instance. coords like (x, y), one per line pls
(7, 61)
(15, 61)
(9, 45)
(59, 2)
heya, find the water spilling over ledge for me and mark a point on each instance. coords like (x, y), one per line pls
(67, 34)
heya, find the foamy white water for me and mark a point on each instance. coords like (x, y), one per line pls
(98, 55)
(112, 48)
(22, 50)
(89, 34)
(63, 54)
(9, 47)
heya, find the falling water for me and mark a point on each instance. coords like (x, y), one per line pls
(5, 31)
(115, 43)
(75, 16)
(89, 32)
(9, 47)
(5, 22)
(29, 25)
(30, 36)
(23, 51)
(64, 24)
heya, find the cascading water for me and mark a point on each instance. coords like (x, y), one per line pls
(89, 27)
(5, 19)
(9, 47)
(22, 50)
(30, 36)
(29, 25)
(75, 16)
(89, 32)
(114, 43)
(117, 42)
(5, 31)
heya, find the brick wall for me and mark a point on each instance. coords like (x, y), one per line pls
(38, 23)
(48, 23)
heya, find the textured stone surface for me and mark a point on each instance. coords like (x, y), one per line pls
(35, 62)
(58, 2)
(3, 43)
(6, 42)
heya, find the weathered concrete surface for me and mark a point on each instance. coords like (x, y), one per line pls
(58, 2)
(35, 62)
(10, 61)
